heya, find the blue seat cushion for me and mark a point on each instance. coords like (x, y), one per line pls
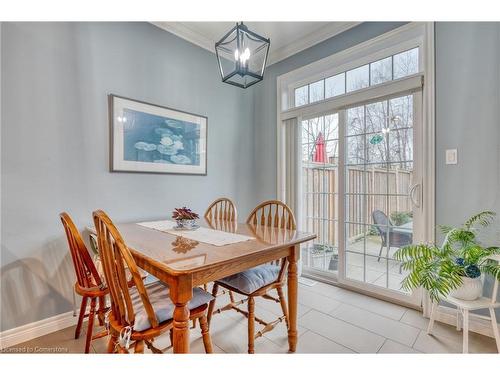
(159, 296)
(252, 279)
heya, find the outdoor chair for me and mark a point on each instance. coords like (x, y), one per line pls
(389, 234)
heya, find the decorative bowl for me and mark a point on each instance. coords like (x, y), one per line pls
(186, 223)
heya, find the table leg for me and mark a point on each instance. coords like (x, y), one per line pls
(292, 297)
(181, 294)
(181, 328)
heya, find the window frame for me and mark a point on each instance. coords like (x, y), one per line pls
(373, 58)
(399, 40)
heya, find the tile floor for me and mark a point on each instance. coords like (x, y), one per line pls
(331, 320)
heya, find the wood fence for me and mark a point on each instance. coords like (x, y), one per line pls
(366, 190)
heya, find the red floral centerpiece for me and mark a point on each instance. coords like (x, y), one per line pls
(185, 218)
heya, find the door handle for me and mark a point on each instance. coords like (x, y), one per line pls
(413, 188)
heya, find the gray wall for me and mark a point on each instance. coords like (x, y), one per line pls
(468, 118)
(56, 77)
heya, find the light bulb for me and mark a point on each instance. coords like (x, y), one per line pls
(245, 55)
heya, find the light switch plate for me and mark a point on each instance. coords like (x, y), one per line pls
(451, 156)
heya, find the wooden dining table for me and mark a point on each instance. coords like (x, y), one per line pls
(184, 264)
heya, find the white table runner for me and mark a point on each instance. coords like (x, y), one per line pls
(206, 235)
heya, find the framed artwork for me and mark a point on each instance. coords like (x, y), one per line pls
(154, 139)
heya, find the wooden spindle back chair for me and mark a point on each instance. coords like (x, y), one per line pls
(222, 215)
(116, 257)
(222, 209)
(89, 283)
(274, 214)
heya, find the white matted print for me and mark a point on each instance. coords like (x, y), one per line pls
(155, 139)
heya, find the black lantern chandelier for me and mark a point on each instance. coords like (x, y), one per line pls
(242, 56)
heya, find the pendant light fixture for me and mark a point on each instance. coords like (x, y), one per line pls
(242, 56)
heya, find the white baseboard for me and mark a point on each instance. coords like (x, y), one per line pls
(33, 330)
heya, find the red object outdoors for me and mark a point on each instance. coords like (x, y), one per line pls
(320, 152)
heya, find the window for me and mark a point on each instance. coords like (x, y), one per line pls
(302, 95)
(358, 78)
(406, 63)
(393, 67)
(381, 71)
(335, 85)
(316, 91)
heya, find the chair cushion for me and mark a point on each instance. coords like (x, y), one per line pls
(159, 296)
(252, 279)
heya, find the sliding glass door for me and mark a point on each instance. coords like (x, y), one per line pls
(361, 186)
(320, 191)
(381, 188)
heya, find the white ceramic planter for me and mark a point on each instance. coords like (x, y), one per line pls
(470, 290)
(186, 223)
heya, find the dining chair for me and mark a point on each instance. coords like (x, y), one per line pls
(93, 247)
(222, 209)
(222, 215)
(142, 313)
(259, 281)
(97, 261)
(89, 284)
(465, 307)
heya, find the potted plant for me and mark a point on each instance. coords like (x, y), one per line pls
(454, 268)
(185, 218)
(319, 254)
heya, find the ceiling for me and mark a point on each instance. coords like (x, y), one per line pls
(287, 38)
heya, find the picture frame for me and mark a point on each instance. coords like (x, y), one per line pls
(150, 138)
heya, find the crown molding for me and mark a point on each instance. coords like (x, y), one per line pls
(185, 32)
(310, 40)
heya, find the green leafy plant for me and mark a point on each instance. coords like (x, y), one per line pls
(439, 270)
(322, 248)
(401, 217)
